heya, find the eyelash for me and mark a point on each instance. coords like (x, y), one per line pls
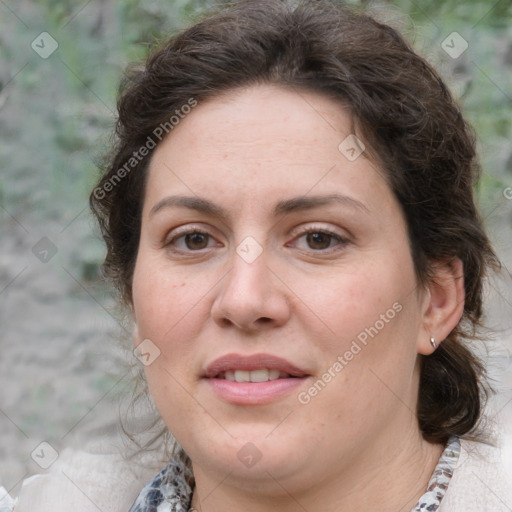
(334, 237)
(340, 241)
(170, 243)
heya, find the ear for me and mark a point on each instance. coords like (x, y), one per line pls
(135, 332)
(444, 304)
(136, 335)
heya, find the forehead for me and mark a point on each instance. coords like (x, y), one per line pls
(261, 143)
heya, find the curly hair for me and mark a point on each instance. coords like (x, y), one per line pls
(411, 125)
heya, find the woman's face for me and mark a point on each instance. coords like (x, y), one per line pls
(270, 252)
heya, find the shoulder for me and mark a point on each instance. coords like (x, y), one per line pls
(87, 481)
(6, 501)
(481, 481)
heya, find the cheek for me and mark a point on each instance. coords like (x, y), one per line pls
(351, 301)
(371, 317)
(169, 310)
(169, 305)
(154, 291)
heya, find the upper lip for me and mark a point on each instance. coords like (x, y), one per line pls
(232, 362)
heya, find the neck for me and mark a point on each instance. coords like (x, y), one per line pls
(390, 479)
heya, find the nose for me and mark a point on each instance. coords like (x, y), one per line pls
(251, 297)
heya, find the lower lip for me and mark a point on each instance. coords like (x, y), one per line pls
(254, 393)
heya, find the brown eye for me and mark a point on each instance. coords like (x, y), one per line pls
(318, 240)
(192, 241)
(196, 241)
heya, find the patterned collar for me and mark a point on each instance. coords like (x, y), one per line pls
(171, 489)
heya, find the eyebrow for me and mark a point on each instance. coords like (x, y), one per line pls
(309, 202)
(288, 206)
(192, 203)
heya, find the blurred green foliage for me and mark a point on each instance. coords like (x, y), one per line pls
(57, 114)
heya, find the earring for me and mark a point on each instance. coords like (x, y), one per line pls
(433, 342)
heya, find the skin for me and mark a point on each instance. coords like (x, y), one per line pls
(356, 445)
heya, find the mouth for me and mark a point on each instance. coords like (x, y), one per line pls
(253, 380)
(260, 375)
(253, 368)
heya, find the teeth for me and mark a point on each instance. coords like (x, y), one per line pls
(275, 374)
(260, 375)
(242, 376)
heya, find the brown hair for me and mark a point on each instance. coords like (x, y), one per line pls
(400, 105)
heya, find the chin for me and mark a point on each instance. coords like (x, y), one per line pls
(257, 458)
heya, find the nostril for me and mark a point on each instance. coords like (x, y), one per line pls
(226, 322)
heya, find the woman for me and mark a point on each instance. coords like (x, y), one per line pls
(303, 259)
(289, 217)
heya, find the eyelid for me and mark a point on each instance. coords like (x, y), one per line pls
(313, 227)
(341, 240)
(186, 229)
(299, 231)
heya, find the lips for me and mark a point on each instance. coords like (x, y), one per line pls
(255, 365)
(260, 379)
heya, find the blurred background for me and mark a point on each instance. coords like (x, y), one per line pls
(63, 367)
